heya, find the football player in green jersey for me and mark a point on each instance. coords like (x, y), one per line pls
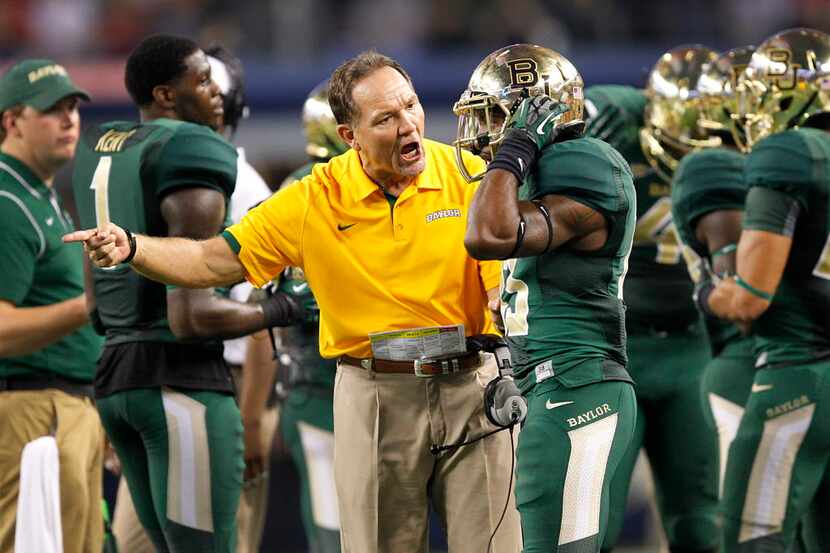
(708, 193)
(667, 347)
(560, 210)
(307, 418)
(777, 471)
(162, 388)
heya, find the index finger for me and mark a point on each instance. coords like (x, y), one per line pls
(79, 235)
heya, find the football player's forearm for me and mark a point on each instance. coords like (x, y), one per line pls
(494, 217)
(187, 263)
(25, 330)
(201, 314)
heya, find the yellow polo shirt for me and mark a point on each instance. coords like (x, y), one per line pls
(373, 267)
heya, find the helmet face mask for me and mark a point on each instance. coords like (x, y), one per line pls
(496, 89)
(671, 118)
(717, 88)
(786, 82)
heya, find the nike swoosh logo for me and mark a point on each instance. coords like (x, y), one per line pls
(345, 227)
(550, 405)
(544, 122)
(761, 387)
(297, 288)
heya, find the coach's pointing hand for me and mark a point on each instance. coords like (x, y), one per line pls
(107, 246)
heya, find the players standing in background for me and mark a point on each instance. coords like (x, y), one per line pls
(667, 344)
(162, 388)
(560, 210)
(250, 355)
(307, 418)
(48, 348)
(708, 193)
(777, 471)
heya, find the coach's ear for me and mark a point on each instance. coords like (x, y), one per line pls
(346, 134)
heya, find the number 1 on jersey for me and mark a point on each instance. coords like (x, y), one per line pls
(515, 319)
(100, 183)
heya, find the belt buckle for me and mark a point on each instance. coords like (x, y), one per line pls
(450, 363)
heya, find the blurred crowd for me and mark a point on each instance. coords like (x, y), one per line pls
(305, 30)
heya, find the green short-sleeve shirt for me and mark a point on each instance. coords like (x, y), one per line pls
(39, 269)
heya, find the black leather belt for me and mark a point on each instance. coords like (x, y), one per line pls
(437, 366)
(47, 382)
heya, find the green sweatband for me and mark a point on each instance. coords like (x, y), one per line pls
(729, 248)
(752, 290)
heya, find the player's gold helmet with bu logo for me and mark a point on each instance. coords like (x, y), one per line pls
(671, 115)
(717, 87)
(319, 125)
(787, 82)
(497, 87)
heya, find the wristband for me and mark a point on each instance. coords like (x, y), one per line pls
(520, 237)
(729, 248)
(546, 214)
(752, 290)
(516, 154)
(701, 297)
(133, 246)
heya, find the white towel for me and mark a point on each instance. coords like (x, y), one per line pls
(39, 502)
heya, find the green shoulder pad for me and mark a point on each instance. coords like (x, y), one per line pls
(789, 160)
(196, 156)
(706, 180)
(585, 169)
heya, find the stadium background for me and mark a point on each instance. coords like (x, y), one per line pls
(288, 46)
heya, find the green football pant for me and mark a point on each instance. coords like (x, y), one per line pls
(307, 427)
(681, 447)
(569, 447)
(727, 379)
(777, 472)
(181, 453)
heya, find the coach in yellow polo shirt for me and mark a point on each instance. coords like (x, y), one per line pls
(379, 234)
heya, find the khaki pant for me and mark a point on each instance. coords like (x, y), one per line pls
(386, 476)
(28, 415)
(250, 518)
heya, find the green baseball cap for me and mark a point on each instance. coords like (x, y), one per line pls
(37, 83)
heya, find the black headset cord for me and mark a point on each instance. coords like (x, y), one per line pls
(435, 449)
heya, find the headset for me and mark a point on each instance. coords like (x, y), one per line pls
(504, 405)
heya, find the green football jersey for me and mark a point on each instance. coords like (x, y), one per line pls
(563, 311)
(788, 176)
(705, 181)
(300, 351)
(658, 289)
(122, 172)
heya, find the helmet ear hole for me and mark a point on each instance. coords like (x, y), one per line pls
(785, 103)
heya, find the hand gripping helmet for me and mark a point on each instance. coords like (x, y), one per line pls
(718, 96)
(319, 125)
(497, 87)
(226, 71)
(787, 82)
(670, 120)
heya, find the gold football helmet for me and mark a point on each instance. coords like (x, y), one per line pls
(787, 81)
(497, 87)
(717, 90)
(319, 125)
(671, 115)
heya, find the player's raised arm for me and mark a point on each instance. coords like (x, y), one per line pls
(178, 261)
